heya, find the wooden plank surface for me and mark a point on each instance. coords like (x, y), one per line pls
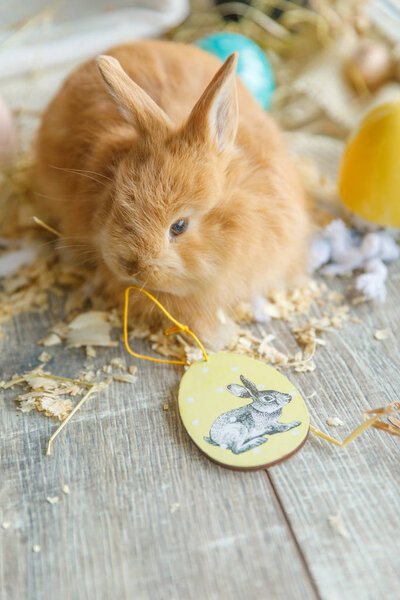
(362, 481)
(147, 516)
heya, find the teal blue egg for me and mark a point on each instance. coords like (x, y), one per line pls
(253, 66)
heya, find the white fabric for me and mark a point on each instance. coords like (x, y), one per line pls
(41, 42)
(48, 44)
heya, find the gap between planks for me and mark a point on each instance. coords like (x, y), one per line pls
(293, 537)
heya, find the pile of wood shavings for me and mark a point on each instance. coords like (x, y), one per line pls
(46, 394)
(53, 395)
(28, 289)
(294, 307)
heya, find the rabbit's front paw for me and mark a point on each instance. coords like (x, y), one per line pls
(258, 441)
(238, 449)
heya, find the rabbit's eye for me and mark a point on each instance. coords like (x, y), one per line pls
(178, 227)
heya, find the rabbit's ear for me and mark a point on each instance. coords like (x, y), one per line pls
(134, 103)
(238, 390)
(249, 385)
(215, 116)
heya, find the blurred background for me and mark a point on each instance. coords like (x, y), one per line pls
(329, 61)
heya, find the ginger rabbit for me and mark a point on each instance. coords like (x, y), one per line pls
(161, 170)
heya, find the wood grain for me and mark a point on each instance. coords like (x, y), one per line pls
(148, 516)
(362, 481)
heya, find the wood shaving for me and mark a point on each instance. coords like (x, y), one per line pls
(52, 499)
(334, 422)
(6, 524)
(139, 331)
(87, 376)
(91, 352)
(66, 489)
(50, 340)
(174, 507)
(60, 328)
(270, 354)
(304, 367)
(36, 548)
(271, 310)
(44, 357)
(37, 380)
(125, 378)
(54, 407)
(90, 329)
(132, 369)
(335, 297)
(244, 343)
(192, 353)
(101, 385)
(93, 318)
(165, 406)
(337, 524)
(118, 363)
(381, 334)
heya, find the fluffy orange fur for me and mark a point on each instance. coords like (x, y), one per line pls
(123, 154)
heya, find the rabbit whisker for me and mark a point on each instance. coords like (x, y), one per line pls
(82, 173)
(48, 197)
(91, 172)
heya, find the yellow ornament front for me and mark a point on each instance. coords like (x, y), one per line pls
(242, 413)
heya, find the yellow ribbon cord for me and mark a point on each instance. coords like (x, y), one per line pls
(177, 327)
(369, 422)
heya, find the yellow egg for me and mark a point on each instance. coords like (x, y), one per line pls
(369, 178)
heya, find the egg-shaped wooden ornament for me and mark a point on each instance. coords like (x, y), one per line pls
(242, 413)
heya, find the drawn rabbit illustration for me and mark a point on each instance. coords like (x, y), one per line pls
(243, 428)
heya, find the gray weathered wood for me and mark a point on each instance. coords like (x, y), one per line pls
(362, 481)
(148, 516)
